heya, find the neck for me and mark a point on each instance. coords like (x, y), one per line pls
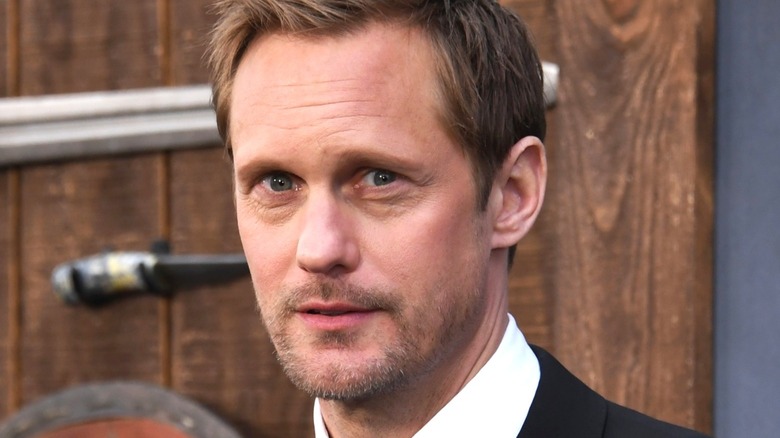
(405, 411)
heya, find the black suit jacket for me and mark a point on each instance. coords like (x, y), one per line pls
(565, 407)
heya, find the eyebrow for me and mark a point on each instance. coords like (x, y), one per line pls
(353, 157)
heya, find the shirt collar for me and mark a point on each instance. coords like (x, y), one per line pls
(494, 403)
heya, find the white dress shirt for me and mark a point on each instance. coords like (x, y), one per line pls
(494, 403)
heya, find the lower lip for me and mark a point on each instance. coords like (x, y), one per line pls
(344, 321)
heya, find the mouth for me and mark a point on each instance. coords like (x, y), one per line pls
(327, 312)
(331, 309)
(335, 316)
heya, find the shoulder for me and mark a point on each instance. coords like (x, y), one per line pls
(623, 422)
(564, 406)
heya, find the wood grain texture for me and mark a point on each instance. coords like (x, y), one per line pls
(87, 45)
(7, 305)
(704, 218)
(190, 25)
(6, 24)
(76, 209)
(222, 354)
(70, 211)
(631, 234)
(540, 18)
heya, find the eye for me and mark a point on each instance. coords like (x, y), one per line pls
(379, 177)
(279, 182)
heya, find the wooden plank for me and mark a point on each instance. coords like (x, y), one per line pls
(702, 259)
(75, 209)
(631, 230)
(7, 301)
(529, 299)
(88, 45)
(9, 293)
(190, 26)
(6, 24)
(5, 233)
(540, 18)
(71, 211)
(221, 353)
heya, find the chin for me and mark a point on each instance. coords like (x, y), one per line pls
(346, 375)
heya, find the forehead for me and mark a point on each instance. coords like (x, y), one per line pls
(379, 62)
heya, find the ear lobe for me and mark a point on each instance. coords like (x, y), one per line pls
(518, 192)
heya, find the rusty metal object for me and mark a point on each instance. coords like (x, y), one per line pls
(115, 409)
(101, 278)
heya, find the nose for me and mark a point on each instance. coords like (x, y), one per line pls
(326, 244)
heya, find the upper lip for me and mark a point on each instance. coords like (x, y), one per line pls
(330, 308)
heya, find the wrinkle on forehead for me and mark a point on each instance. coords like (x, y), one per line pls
(288, 106)
(363, 59)
(291, 115)
(346, 81)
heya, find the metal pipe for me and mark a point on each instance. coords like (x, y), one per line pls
(83, 125)
(104, 277)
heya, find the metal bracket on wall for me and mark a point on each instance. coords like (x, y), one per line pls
(551, 74)
(84, 125)
(105, 277)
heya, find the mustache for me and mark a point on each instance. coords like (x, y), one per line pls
(367, 297)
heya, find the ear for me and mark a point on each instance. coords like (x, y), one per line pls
(518, 192)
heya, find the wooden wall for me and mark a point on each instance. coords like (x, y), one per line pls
(615, 279)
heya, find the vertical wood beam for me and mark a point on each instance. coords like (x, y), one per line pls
(703, 257)
(71, 210)
(9, 225)
(163, 166)
(631, 191)
(9, 47)
(9, 292)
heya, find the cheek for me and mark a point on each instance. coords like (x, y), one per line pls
(446, 229)
(267, 251)
(420, 247)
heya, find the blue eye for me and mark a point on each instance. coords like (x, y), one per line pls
(380, 177)
(279, 182)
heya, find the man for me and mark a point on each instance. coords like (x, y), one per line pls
(387, 157)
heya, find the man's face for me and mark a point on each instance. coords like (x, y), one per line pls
(356, 211)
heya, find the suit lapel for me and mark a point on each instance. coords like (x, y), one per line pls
(563, 406)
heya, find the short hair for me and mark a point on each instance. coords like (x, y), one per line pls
(489, 73)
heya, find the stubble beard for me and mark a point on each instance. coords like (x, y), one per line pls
(401, 362)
